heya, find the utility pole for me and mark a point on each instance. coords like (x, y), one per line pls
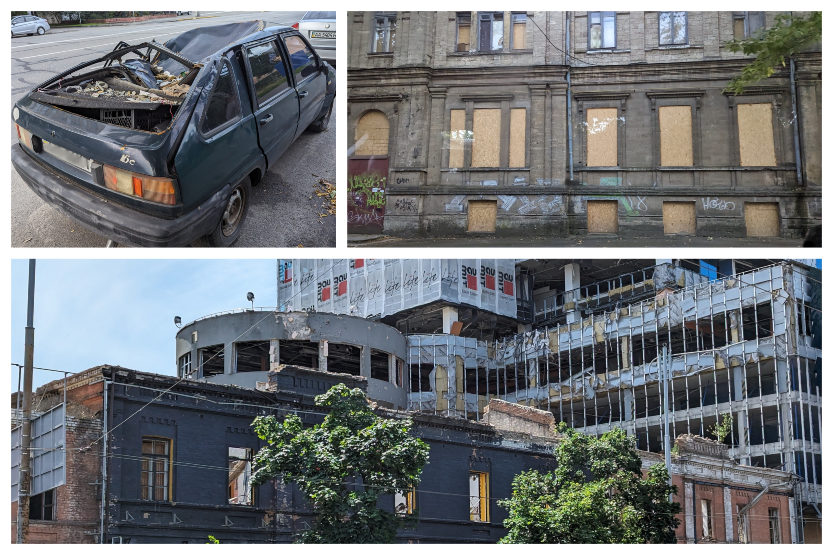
(665, 377)
(25, 480)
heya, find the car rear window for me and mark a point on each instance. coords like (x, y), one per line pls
(319, 15)
(223, 106)
(301, 57)
(268, 70)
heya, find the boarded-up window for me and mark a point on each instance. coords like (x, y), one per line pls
(601, 137)
(463, 31)
(372, 132)
(762, 219)
(602, 216)
(755, 135)
(456, 147)
(485, 149)
(518, 31)
(675, 136)
(482, 215)
(517, 138)
(679, 218)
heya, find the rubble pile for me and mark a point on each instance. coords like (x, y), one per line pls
(170, 90)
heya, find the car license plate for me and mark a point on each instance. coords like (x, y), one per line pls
(322, 34)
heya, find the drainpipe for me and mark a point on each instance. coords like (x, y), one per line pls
(569, 100)
(795, 122)
(795, 125)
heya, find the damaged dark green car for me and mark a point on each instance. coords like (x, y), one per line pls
(161, 144)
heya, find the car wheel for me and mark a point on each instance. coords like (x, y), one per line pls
(41, 31)
(324, 122)
(228, 229)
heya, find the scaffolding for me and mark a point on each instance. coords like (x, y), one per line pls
(741, 346)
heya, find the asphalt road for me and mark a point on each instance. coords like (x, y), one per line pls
(285, 209)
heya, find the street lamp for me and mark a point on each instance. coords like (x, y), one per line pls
(251, 298)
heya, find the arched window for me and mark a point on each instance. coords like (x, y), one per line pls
(372, 133)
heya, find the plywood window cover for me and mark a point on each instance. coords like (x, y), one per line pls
(756, 138)
(679, 218)
(517, 137)
(758, 227)
(482, 216)
(602, 216)
(676, 145)
(486, 131)
(378, 139)
(602, 143)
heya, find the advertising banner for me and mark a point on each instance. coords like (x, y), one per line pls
(380, 287)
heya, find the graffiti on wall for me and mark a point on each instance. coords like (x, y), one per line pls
(717, 204)
(366, 194)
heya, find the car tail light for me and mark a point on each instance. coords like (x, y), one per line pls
(295, 25)
(23, 136)
(154, 189)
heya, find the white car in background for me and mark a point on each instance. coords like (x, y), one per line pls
(319, 28)
(29, 25)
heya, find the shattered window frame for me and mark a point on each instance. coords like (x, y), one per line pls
(602, 16)
(674, 39)
(404, 501)
(224, 63)
(708, 519)
(185, 364)
(150, 468)
(749, 20)
(774, 525)
(479, 501)
(386, 24)
(40, 509)
(236, 470)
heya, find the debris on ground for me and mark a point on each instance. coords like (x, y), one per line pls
(327, 190)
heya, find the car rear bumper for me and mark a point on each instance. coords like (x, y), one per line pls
(113, 221)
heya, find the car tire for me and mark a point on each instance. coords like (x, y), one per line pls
(234, 216)
(323, 122)
(41, 31)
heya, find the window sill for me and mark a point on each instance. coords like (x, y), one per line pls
(489, 52)
(606, 51)
(380, 54)
(455, 170)
(674, 47)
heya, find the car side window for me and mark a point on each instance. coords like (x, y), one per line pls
(224, 105)
(268, 70)
(301, 56)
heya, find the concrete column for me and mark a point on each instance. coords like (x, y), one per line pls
(322, 355)
(627, 404)
(229, 358)
(727, 515)
(450, 315)
(435, 134)
(391, 368)
(793, 523)
(572, 280)
(274, 354)
(742, 431)
(689, 512)
(365, 363)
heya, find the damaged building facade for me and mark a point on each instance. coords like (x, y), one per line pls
(565, 123)
(146, 458)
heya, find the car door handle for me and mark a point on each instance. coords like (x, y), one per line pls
(266, 120)
(303, 94)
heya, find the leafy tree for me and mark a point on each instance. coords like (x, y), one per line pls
(787, 37)
(723, 429)
(343, 465)
(596, 494)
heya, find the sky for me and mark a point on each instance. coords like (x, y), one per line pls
(121, 312)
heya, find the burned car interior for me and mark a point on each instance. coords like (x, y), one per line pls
(137, 93)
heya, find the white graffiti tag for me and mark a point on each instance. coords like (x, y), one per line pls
(717, 204)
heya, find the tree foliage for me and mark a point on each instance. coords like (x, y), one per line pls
(786, 38)
(723, 429)
(343, 465)
(596, 494)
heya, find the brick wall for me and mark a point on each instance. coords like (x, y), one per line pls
(77, 517)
